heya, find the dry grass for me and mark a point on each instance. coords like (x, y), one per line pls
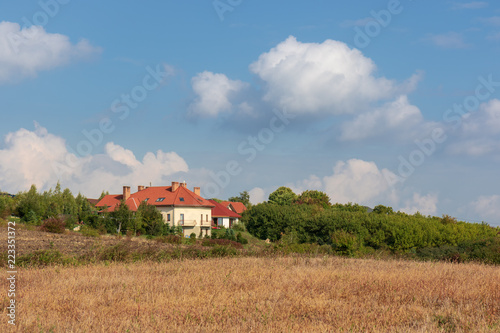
(259, 295)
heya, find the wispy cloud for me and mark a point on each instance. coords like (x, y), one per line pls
(493, 21)
(449, 40)
(470, 5)
(356, 23)
(494, 36)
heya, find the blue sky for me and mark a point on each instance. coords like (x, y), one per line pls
(375, 102)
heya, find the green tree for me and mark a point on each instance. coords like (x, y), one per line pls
(103, 194)
(122, 217)
(7, 205)
(313, 197)
(151, 220)
(31, 206)
(283, 196)
(381, 209)
(244, 198)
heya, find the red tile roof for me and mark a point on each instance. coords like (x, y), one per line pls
(239, 207)
(222, 211)
(157, 196)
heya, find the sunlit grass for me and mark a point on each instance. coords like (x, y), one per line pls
(260, 295)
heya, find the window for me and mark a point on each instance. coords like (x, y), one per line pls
(182, 219)
(160, 199)
(146, 200)
(201, 219)
(181, 199)
(220, 221)
(168, 217)
(207, 218)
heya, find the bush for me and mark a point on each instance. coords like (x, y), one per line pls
(221, 242)
(170, 239)
(54, 225)
(192, 236)
(238, 227)
(240, 239)
(89, 231)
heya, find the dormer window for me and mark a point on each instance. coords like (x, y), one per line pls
(160, 199)
(181, 199)
(146, 200)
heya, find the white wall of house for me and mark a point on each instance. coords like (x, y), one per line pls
(196, 219)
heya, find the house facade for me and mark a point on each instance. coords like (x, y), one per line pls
(178, 205)
(223, 216)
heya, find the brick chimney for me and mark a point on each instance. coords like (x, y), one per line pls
(126, 192)
(183, 184)
(140, 188)
(175, 186)
(197, 191)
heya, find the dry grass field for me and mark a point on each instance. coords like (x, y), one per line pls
(287, 294)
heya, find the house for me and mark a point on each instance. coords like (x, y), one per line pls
(237, 207)
(178, 205)
(223, 216)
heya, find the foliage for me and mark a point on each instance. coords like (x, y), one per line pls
(122, 217)
(317, 198)
(381, 209)
(222, 242)
(240, 239)
(7, 205)
(54, 225)
(349, 229)
(89, 231)
(283, 196)
(244, 198)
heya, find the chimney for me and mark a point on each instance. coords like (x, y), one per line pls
(183, 184)
(140, 188)
(126, 192)
(197, 191)
(175, 186)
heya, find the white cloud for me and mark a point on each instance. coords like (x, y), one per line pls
(356, 23)
(480, 131)
(363, 182)
(424, 204)
(449, 40)
(493, 21)
(488, 208)
(40, 158)
(257, 195)
(359, 181)
(214, 92)
(25, 52)
(328, 78)
(398, 116)
(470, 5)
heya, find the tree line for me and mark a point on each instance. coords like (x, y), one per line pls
(350, 228)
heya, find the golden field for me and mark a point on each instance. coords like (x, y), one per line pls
(283, 294)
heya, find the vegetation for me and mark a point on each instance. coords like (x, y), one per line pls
(244, 198)
(288, 294)
(351, 230)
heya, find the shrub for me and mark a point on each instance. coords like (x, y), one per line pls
(238, 227)
(221, 242)
(170, 239)
(240, 239)
(223, 251)
(54, 225)
(89, 231)
(192, 236)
